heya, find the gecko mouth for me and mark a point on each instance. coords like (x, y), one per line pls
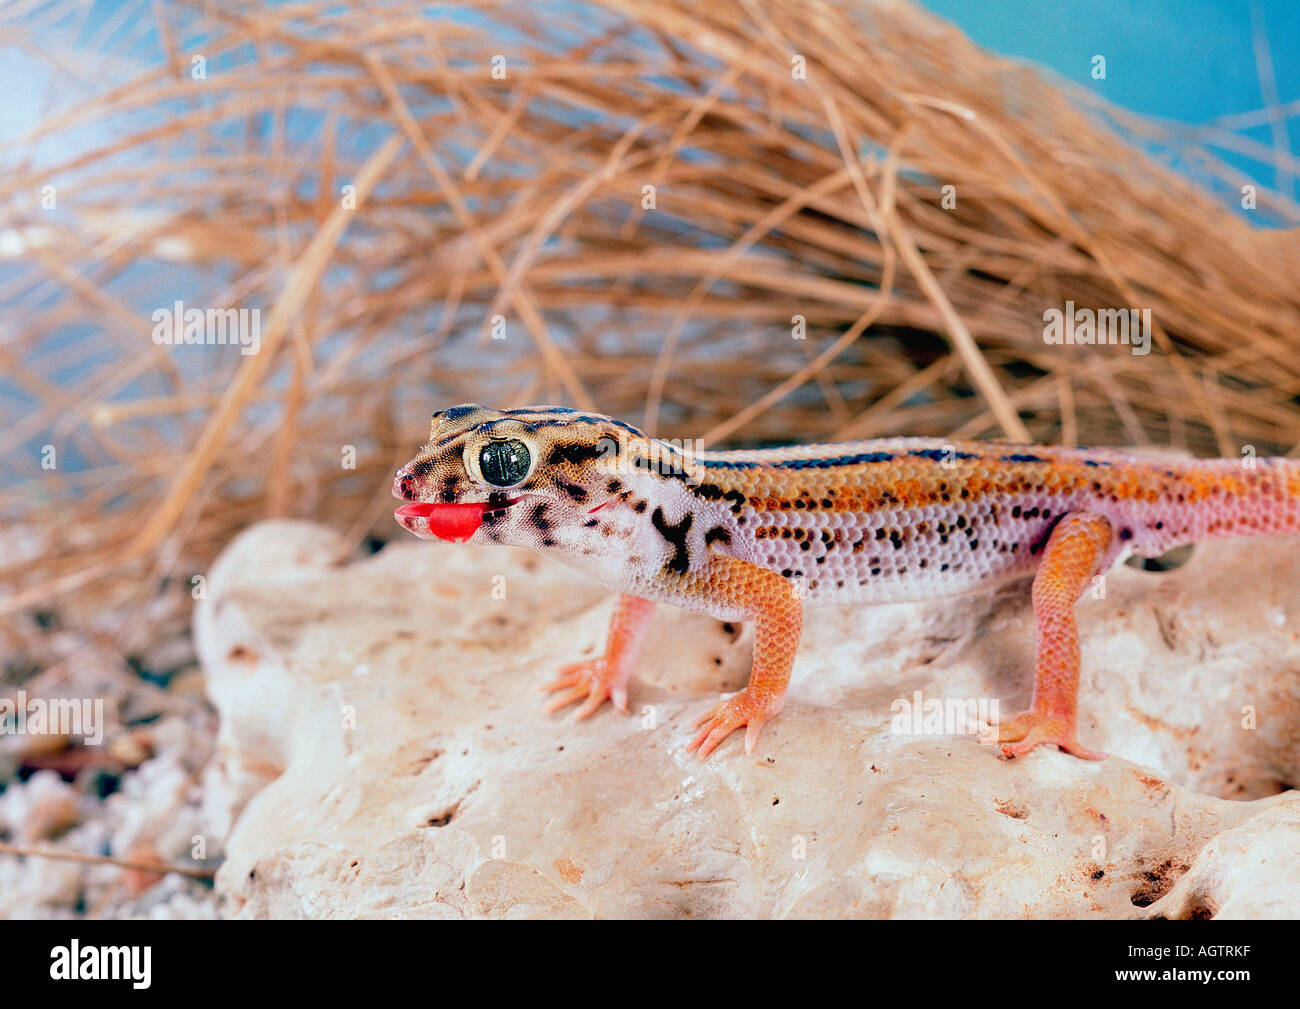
(453, 522)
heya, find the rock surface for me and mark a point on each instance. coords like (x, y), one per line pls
(383, 751)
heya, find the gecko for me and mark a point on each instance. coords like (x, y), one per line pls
(755, 535)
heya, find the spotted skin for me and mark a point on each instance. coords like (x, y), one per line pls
(756, 535)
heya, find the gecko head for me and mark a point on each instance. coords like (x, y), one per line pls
(514, 476)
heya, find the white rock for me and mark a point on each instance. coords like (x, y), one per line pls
(434, 786)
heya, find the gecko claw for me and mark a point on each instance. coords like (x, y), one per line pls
(1031, 728)
(728, 716)
(592, 682)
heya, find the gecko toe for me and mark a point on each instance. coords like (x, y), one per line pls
(589, 684)
(740, 709)
(1030, 729)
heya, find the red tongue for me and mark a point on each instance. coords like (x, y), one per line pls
(454, 522)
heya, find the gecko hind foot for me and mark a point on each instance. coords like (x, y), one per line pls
(592, 682)
(728, 716)
(1033, 728)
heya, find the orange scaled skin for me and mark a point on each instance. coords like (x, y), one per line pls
(1072, 556)
(773, 603)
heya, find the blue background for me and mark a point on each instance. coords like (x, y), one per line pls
(1184, 60)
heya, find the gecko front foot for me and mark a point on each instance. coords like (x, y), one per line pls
(739, 709)
(1034, 728)
(592, 682)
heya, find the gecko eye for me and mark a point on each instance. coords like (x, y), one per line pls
(504, 463)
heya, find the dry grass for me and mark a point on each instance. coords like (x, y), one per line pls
(775, 197)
